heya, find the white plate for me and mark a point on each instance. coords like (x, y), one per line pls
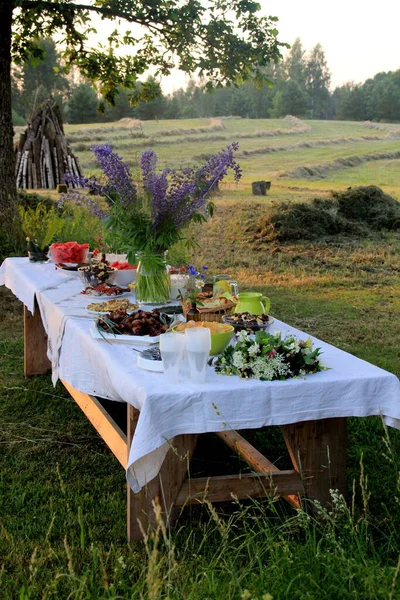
(150, 365)
(67, 272)
(111, 297)
(126, 339)
(105, 312)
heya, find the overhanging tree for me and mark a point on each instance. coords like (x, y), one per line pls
(223, 40)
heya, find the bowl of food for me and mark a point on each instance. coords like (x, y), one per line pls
(95, 275)
(69, 253)
(126, 273)
(221, 333)
(248, 322)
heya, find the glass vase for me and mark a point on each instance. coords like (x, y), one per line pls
(152, 279)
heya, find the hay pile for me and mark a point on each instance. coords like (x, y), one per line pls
(357, 212)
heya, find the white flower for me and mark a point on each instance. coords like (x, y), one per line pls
(243, 335)
(293, 346)
(238, 360)
(199, 283)
(253, 349)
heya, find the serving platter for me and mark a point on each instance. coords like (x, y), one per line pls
(94, 308)
(109, 297)
(122, 338)
(70, 266)
(99, 313)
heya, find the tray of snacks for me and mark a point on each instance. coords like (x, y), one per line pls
(111, 305)
(139, 327)
(106, 291)
(248, 322)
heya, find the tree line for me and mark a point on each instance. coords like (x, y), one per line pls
(299, 86)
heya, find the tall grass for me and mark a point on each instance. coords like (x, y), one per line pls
(257, 552)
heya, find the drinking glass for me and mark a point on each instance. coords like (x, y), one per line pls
(198, 346)
(225, 283)
(172, 346)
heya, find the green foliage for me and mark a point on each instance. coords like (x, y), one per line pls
(41, 79)
(40, 223)
(188, 30)
(31, 200)
(79, 225)
(48, 224)
(17, 119)
(82, 104)
(377, 99)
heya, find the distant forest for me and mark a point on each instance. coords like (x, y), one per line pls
(300, 86)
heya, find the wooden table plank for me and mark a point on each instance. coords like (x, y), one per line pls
(318, 452)
(106, 427)
(249, 485)
(35, 344)
(256, 461)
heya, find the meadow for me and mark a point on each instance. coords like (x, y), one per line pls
(62, 494)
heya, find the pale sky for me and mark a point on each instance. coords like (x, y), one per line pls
(359, 38)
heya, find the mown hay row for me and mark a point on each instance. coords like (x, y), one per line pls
(215, 125)
(315, 144)
(391, 130)
(323, 170)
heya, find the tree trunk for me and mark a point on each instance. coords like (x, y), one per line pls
(9, 221)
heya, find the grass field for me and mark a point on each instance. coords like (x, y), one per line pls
(62, 496)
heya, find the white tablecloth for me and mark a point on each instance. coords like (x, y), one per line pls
(351, 386)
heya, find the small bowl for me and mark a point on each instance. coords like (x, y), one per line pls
(88, 278)
(219, 341)
(250, 325)
(124, 277)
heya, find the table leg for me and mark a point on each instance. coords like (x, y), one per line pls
(318, 452)
(35, 344)
(163, 489)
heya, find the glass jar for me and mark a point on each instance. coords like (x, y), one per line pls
(152, 279)
(193, 314)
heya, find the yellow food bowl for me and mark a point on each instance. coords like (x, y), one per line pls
(221, 334)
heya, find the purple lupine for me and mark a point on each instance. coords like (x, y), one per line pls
(189, 187)
(117, 172)
(79, 199)
(90, 183)
(177, 195)
(156, 185)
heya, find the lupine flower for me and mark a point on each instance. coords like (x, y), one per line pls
(79, 199)
(117, 173)
(174, 197)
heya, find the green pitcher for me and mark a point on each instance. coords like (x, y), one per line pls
(253, 302)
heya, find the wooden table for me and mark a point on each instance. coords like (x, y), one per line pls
(317, 450)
